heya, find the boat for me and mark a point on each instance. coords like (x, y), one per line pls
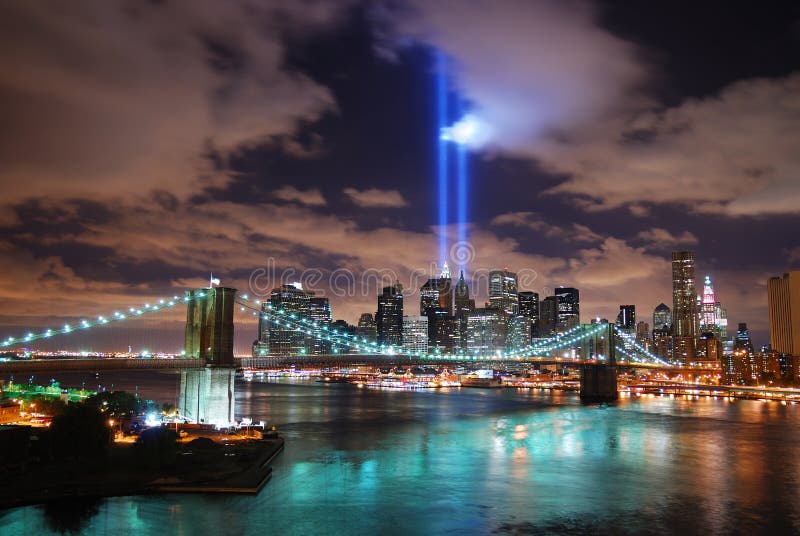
(477, 381)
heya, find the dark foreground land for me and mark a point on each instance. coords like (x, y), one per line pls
(202, 465)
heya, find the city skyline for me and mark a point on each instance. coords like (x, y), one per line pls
(328, 176)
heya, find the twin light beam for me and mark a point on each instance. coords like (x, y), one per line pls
(465, 132)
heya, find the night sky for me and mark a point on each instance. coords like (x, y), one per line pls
(147, 144)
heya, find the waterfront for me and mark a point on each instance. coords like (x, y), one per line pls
(361, 461)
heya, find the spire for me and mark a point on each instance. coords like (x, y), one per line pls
(445, 271)
(461, 278)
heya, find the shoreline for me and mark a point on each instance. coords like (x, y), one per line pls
(243, 478)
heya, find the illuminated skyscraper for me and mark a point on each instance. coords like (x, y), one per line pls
(415, 334)
(389, 317)
(464, 305)
(486, 332)
(626, 319)
(684, 306)
(320, 315)
(284, 340)
(436, 303)
(662, 317)
(783, 296)
(569, 308)
(548, 317)
(366, 327)
(529, 308)
(503, 291)
(518, 331)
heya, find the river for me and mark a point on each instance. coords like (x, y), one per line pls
(473, 461)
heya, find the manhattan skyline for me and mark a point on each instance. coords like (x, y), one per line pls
(171, 142)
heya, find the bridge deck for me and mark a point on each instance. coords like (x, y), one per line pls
(97, 364)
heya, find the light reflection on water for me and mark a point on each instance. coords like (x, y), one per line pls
(480, 461)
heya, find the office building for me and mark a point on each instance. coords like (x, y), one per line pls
(684, 306)
(503, 291)
(486, 332)
(389, 317)
(529, 308)
(783, 296)
(415, 334)
(569, 310)
(548, 317)
(366, 327)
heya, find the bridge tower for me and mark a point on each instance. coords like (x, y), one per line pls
(207, 395)
(599, 380)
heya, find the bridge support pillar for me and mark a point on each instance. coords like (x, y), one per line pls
(599, 383)
(207, 395)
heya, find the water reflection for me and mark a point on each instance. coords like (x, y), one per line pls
(483, 461)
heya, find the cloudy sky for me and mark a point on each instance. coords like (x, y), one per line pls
(147, 144)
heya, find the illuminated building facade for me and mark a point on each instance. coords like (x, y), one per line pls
(684, 306)
(783, 296)
(415, 334)
(503, 291)
(284, 340)
(569, 308)
(486, 332)
(548, 317)
(366, 327)
(389, 317)
(529, 308)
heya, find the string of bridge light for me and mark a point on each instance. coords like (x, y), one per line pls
(84, 325)
(639, 347)
(308, 326)
(563, 340)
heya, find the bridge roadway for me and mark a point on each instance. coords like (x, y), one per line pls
(82, 364)
(98, 364)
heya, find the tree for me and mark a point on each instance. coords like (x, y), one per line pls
(116, 404)
(80, 431)
(157, 447)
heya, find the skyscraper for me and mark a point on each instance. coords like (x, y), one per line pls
(713, 318)
(684, 306)
(548, 316)
(626, 319)
(486, 332)
(518, 333)
(569, 309)
(283, 340)
(503, 291)
(320, 315)
(662, 317)
(366, 327)
(415, 334)
(464, 305)
(783, 295)
(436, 302)
(389, 317)
(529, 308)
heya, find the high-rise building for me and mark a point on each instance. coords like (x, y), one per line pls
(643, 335)
(389, 317)
(366, 327)
(569, 309)
(529, 308)
(548, 316)
(320, 315)
(464, 305)
(662, 317)
(486, 332)
(291, 299)
(626, 319)
(503, 291)
(713, 318)
(415, 334)
(684, 306)
(436, 302)
(783, 295)
(518, 332)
